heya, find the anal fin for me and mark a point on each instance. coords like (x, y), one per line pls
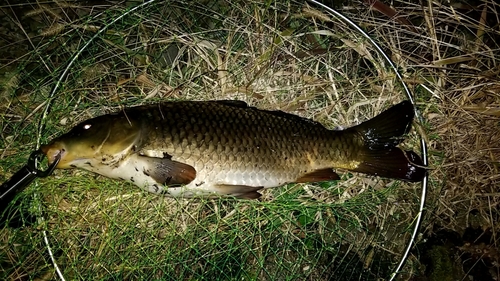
(319, 175)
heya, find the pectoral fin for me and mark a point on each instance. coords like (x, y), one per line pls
(166, 171)
(319, 175)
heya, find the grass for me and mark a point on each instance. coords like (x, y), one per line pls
(287, 56)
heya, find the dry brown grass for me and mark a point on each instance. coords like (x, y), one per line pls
(454, 57)
(458, 62)
(465, 116)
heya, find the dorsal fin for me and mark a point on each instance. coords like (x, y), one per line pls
(279, 113)
(292, 117)
(235, 103)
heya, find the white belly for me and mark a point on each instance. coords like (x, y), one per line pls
(207, 181)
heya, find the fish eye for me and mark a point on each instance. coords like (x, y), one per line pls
(87, 126)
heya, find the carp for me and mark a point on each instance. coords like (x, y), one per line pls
(206, 148)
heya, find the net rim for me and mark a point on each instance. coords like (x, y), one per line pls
(336, 14)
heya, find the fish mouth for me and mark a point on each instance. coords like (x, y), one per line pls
(52, 151)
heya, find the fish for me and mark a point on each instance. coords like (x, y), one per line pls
(228, 148)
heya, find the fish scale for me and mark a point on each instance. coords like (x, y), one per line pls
(189, 148)
(285, 151)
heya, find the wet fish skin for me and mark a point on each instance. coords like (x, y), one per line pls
(189, 148)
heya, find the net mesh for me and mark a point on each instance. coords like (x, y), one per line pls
(283, 55)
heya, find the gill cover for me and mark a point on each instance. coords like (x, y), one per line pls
(106, 138)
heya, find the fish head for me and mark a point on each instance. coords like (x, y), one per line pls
(105, 138)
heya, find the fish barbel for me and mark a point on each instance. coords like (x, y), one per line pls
(192, 148)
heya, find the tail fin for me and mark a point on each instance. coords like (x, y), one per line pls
(381, 135)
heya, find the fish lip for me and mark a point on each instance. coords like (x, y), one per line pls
(52, 151)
